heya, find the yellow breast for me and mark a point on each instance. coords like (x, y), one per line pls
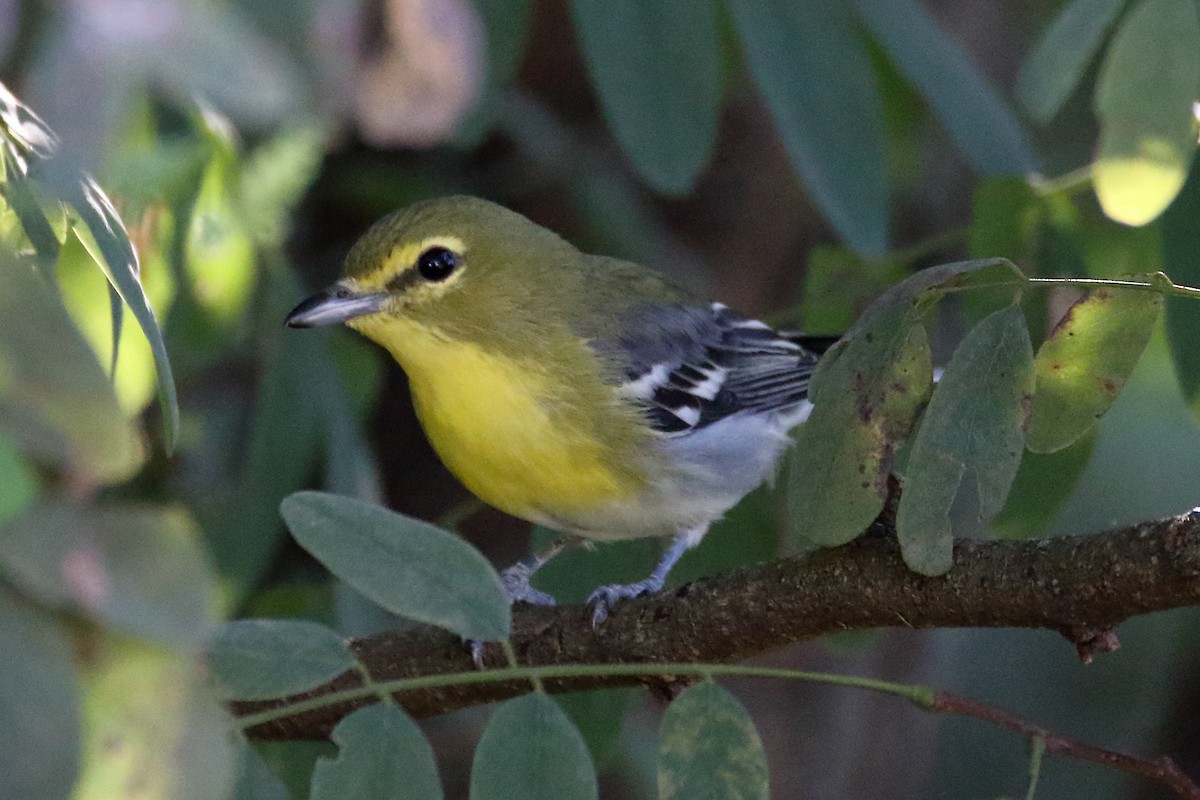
(506, 432)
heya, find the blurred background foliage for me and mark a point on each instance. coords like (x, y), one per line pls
(791, 158)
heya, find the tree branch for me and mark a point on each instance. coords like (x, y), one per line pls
(1162, 770)
(1080, 586)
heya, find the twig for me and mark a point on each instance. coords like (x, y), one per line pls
(1161, 769)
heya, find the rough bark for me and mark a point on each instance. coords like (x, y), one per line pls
(1080, 586)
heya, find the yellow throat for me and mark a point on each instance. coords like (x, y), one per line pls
(494, 425)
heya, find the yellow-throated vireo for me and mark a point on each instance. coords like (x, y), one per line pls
(576, 391)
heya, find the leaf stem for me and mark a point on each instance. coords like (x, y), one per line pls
(920, 695)
(1165, 286)
(1069, 183)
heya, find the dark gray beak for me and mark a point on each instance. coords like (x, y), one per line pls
(335, 304)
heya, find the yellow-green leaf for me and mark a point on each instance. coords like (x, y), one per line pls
(708, 747)
(1144, 95)
(219, 251)
(869, 398)
(1085, 362)
(152, 728)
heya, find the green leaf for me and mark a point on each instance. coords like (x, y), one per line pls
(116, 311)
(1052, 71)
(1144, 95)
(977, 118)
(273, 179)
(18, 484)
(839, 285)
(104, 234)
(409, 567)
(1004, 214)
(598, 714)
(1084, 363)
(255, 778)
(89, 299)
(382, 755)
(708, 747)
(140, 570)
(218, 250)
(974, 423)
(1043, 483)
(1180, 244)
(531, 751)
(55, 398)
(294, 762)
(812, 67)
(657, 69)
(254, 659)
(39, 703)
(867, 392)
(30, 143)
(23, 198)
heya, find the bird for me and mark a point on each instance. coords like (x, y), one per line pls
(580, 392)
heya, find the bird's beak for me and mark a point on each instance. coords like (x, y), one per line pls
(336, 304)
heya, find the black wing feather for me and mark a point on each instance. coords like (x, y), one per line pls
(690, 366)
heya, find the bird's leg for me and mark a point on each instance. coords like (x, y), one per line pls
(516, 585)
(604, 597)
(516, 578)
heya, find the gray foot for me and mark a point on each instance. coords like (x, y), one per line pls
(605, 597)
(516, 585)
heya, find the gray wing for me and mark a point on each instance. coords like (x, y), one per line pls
(690, 366)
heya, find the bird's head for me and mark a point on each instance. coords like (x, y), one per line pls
(455, 264)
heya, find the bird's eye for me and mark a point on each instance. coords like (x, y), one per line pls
(437, 263)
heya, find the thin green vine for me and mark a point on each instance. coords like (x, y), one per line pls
(920, 695)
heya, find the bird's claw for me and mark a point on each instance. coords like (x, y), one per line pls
(516, 586)
(605, 597)
(476, 648)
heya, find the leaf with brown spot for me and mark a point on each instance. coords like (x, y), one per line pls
(867, 393)
(844, 452)
(1085, 362)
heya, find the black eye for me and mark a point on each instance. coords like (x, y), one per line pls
(437, 263)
